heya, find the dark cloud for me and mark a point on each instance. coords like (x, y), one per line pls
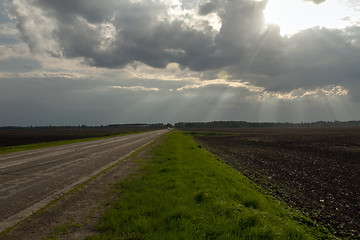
(114, 34)
(317, 57)
(208, 7)
(138, 35)
(242, 24)
(141, 32)
(66, 11)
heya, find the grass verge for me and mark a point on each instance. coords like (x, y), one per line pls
(18, 148)
(185, 192)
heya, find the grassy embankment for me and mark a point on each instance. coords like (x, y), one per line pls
(184, 192)
(18, 148)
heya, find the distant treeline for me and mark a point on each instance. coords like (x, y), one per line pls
(243, 124)
(214, 124)
(110, 126)
(141, 126)
(13, 135)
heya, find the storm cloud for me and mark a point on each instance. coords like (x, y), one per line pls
(114, 34)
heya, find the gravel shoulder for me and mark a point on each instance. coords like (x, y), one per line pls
(75, 214)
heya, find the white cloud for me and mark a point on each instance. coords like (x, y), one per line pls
(223, 82)
(317, 93)
(35, 27)
(137, 88)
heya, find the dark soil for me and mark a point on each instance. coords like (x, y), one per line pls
(314, 170)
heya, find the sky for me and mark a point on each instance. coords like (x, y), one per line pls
(92, 62)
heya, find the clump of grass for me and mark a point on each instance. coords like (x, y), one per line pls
(65, 229)
(187, 193)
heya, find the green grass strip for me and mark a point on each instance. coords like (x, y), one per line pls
(185, 192)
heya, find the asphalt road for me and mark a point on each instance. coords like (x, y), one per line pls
(29, 180)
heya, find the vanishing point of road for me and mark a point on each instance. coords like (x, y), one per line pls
(29, 180)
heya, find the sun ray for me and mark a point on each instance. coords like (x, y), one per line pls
(269, 109)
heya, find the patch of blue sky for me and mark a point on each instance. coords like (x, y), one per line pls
(5, 21)
(4, 18)
(8, 40)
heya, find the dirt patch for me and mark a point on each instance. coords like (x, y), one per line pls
(76, 214)
(314, 170)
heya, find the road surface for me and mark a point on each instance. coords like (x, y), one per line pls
(29, 180)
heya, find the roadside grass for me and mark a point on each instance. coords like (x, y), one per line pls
(18, 148)
(185, 192)
(200, 133)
